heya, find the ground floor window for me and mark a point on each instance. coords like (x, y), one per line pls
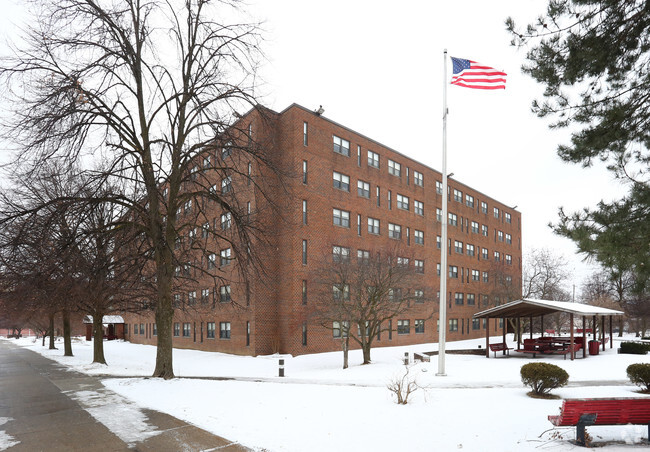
(224, 330)
(142, 328)
(135, 328)
(211, 330)
(177, 329)
(403, 326)
(304, 334)
(476, 324)
(453, 324)
(186, 329)
(155, 329)
(419, 325)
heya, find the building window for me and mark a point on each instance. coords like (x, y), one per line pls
(476, 276)
(225, 257)
(363, 256)
(224, 330)
(418, 295)
(394, 168)
(484, 230)
(155, 329)
(403, 262)
(439, 187)
(304, 211)
(304, 171)
(304, 333)
(304, 291)
(418, 237)
(336, 330)
(250, 173)
(453, 271)
(500, 236)
(341, 292)
(205, 296)
(403, 326)
(508, 218)
(226, 151)
(305, 138)
(470, 249)
(226, 220)
(458, 247)
(394, 231)
(226, 185)
(363, 189)
(341, 146)
(359, 225)
(458, 195)
(142, 328)
(453, 324)
(395, 295)
(438, 269)
(378, 198)
(177, 329)
(496, 212)
(484, 254)
(471, 299)
(438, 215)
(341, 181)
(212, 261)
(508, 239)
(373, 159)
(418, 178)
(497, 256)
(476, 324)
(474, 227)
(373, 226)
(358, 155)
(211, 330)
(187, 207)
(453, 219)
(418, 207)
(484, 207)
(191, 297)
(438, 242)
(402, 202)
(304, 252)
(224, 294)
(469, 200)
(135, 328)
(459, 298)
(186, 329)
(419, 266)
(341, 218)
(206, 162)
(340, 254)
(177, 300)
(508, 259)
(485, 277)
(419, 326)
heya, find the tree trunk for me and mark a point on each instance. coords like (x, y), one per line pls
(345, 344)
(620, 326)
(67, 341)
(164, 317)
(366, 352)
(98, 338)
(51, 332)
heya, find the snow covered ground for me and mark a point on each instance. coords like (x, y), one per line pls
(480, 405)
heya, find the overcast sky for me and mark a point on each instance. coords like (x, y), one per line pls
(376, 66)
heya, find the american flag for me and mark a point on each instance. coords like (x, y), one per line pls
(471, 74)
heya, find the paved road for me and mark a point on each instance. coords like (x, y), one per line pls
(45, 407)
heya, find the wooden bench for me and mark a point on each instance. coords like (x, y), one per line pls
(500, 347)
(567, 350)
(602, 411)
(421, 357)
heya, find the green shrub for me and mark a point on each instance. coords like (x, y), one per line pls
(634, 348)
(639, 374)
(542, 377)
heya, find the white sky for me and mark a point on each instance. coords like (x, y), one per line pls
(376, 66)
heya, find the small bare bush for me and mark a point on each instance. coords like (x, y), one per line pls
(403, 386)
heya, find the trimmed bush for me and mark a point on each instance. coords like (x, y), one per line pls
(542, 377)
(639, 374)
(634, 348)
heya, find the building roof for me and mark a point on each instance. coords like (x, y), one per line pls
(106, 319)
(535, 308)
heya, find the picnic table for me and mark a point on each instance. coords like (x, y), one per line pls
(550, 345)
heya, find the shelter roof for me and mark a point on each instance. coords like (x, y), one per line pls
(106, 319)
(528, 307)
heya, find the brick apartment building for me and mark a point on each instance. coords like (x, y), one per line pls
(347, 192)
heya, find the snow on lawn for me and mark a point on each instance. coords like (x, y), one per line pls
(481, 405)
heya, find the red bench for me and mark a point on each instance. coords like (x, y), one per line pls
(500, 347)
(566, 351)
(614, 411)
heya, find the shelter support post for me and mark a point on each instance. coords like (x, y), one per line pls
(531, 326)
(584, 336)
(487, 337)
(518, 333)
(594, 322)
(602, 331)
(504, 335)
(541, 324)
(611, 333)
(571, 341)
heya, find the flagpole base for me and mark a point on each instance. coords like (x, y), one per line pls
(441, 374)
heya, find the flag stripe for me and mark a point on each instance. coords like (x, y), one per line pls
(470, 74)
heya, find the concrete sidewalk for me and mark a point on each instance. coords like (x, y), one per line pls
(45, 407)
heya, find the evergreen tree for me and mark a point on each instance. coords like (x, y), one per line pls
(593, 57)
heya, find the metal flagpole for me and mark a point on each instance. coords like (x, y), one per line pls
(442, 328)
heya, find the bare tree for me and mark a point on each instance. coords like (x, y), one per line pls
(357, 297)
(154, 88)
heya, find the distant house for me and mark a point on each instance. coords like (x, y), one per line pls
(113, 326)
